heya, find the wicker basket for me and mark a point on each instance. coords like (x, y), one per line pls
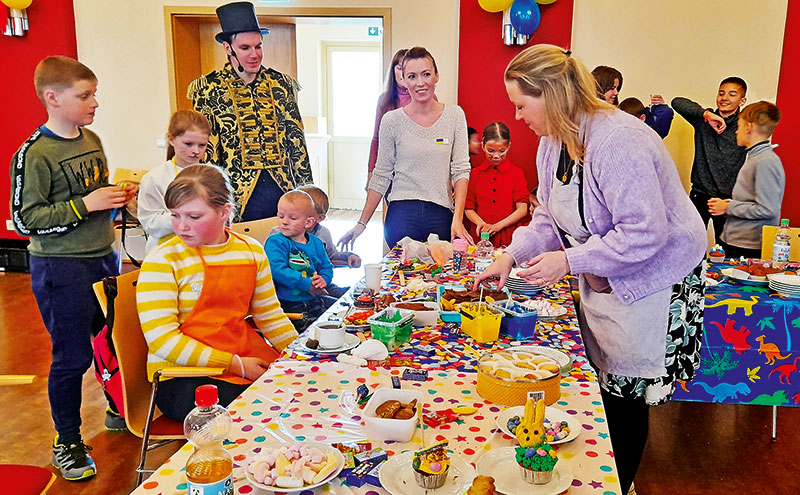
(514, 391)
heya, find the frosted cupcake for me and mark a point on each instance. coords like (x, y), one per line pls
(537, 463)
(431, 466)
(716, 254)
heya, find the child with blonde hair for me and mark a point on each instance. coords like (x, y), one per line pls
(301, 268)
(187, 138)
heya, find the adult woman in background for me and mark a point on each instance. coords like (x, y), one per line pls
(612, 199)
(658, 115)
(395, 96)
(422, 153)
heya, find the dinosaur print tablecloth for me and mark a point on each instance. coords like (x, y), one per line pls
(751, 347)
(311, 401)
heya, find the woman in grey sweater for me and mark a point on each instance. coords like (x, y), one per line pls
(613, 211)
(422, 155)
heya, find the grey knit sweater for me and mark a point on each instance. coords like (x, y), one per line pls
(421, 162)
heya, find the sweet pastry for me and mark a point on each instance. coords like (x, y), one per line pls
(516, 365)
(365, 300)
(482, 485)
(394, 409)
(431, 466)
(535, 457)
(716, 253)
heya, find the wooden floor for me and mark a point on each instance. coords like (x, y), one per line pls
(693, 448)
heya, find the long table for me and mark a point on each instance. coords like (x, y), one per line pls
(302, 397)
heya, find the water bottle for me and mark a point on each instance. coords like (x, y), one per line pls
(483, 253)
(209, 470)
(782, 245)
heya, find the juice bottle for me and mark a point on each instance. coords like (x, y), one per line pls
(209, 470)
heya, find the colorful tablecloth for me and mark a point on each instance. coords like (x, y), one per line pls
(303, 397)
(303, 401)
(751, 347)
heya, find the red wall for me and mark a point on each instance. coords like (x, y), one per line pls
(52, 32)
(786, 133)
(482, 60)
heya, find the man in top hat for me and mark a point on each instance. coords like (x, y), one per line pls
(256, 129)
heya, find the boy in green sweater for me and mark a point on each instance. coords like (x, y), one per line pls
(61, 198)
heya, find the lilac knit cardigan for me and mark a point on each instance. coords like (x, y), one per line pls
(645, 233)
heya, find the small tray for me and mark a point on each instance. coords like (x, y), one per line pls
(356, 328)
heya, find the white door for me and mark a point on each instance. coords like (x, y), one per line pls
(352, 85)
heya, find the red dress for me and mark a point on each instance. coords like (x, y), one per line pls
(493, 193)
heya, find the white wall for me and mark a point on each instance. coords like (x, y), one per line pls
(683, 48)
(124, 42)
(309, 59)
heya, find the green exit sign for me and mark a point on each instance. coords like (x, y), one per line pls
(375, 31)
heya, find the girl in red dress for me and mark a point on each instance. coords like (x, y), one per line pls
(497, 198)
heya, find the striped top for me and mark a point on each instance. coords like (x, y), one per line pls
(170, 283)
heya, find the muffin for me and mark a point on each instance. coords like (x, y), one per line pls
(431, 466)
(537, 463)
(716, 253)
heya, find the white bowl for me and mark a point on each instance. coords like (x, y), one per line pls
(399, 430)
(423, 318)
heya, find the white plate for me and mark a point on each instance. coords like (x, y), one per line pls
(710, 282)
(785, 279)
(350, 341)
(559, 311)
(397, 476)
(550, 413)
(323, 447)
(501, 465)
(734, 274)
(563, 359)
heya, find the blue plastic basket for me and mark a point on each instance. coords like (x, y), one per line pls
(518, 321)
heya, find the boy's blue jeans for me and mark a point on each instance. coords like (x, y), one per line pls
(72, 316)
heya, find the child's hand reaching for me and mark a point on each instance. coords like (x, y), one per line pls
(656, 100)
(353, 261)
(317, 282)
(106, 198)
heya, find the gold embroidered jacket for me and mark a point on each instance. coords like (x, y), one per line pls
(254, 127)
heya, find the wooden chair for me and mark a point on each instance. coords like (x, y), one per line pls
(257, 229)
(139, 394)
(18, 478)
(768, 237)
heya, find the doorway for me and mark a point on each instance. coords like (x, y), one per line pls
(351, 89)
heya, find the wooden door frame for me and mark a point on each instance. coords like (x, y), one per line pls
(172, 12)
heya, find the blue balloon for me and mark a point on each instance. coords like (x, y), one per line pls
(525, 16)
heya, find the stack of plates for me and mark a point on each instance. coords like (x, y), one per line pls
(519, 285)
(785, 284)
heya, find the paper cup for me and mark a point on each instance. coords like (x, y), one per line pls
(372, 275)
(330, 334)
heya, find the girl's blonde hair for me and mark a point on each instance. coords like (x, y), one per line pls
(568, 89)
(208, 182)
(182, 121)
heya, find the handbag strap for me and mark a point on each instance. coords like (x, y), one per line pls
(110, 289)
(135, 262)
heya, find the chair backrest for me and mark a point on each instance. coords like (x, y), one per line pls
(257, 229)
(768, 237)
(131, 349)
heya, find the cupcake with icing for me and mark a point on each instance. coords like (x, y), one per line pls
(537, 463)
(431, 466)
(716, 253)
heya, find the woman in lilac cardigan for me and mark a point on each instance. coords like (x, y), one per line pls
(614, 213)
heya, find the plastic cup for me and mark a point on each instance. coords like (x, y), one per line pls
(372, 275)
(460, 247)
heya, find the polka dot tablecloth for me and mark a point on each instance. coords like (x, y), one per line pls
(312, 401)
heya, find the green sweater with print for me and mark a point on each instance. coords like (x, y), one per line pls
(49, 178)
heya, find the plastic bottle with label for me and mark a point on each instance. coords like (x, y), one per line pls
(483, 253)
(782, 246)
(209, 470)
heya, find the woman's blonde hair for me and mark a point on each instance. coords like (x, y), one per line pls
(208, 182)
(568, 89)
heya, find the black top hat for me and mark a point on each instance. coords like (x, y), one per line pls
(237, 17)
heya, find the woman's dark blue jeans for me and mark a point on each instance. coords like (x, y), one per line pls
(416, 219)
